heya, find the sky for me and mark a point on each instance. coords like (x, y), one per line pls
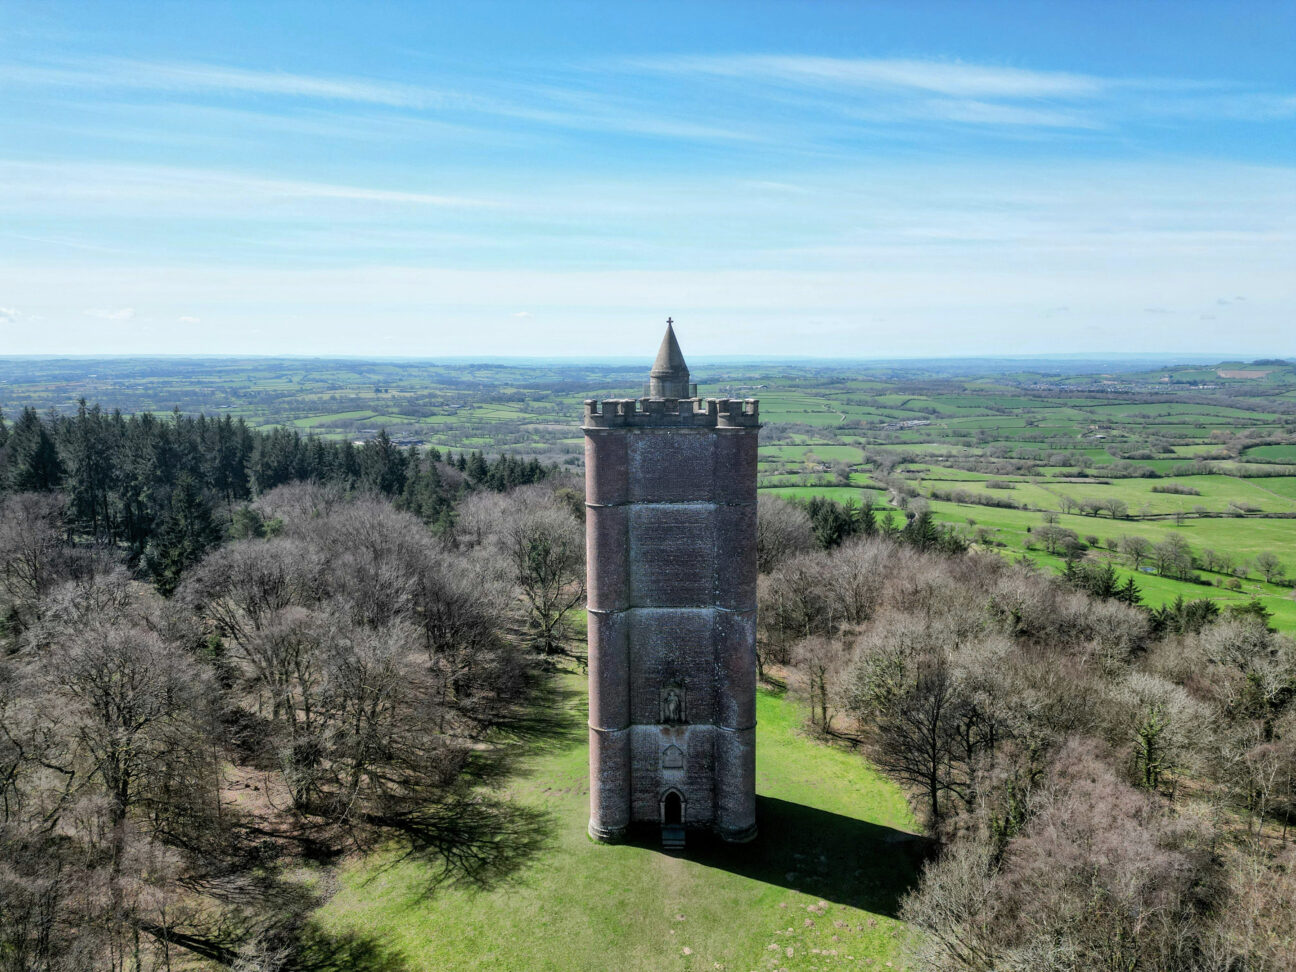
(828, 179)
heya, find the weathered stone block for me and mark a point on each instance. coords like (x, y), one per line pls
(735, 784)
(609, 783)
(735, 655)
(736, 457)
(672, 647)
(735, 545)
(609, 670)
(606, 467)
(671, 466)
(607, 552)
(672, 555)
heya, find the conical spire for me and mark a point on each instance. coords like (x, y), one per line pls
(669, 377)
(670, 359)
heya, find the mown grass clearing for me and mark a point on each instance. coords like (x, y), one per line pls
(818, 888)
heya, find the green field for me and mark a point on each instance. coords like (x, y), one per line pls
(1275, 453)
(1215, 494)
(818, 888)
(1241, 537)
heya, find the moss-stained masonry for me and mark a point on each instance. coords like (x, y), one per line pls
(671, 537)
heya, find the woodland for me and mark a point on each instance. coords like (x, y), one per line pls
(232, 659)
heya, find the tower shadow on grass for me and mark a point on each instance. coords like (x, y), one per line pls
(828, 855)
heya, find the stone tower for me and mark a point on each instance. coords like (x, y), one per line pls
(671, 540)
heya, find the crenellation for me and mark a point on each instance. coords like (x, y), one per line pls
(671, 412)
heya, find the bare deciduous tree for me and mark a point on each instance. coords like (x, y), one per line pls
(545, 549)
(31, 528)
(783, 530)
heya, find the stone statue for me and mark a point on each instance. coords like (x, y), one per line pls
(673, 706)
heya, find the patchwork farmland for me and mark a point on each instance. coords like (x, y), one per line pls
(1099, 451)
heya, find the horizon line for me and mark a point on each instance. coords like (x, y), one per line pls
(1222, 357)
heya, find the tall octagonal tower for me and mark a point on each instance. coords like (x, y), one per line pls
(671, 541)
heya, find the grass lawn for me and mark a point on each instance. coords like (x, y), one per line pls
(817, 889)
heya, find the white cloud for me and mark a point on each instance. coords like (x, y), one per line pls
(560, 107)
(895, 89)
(121, 314)
(9, 315)
(936, 77)
(522, 314)
(188, 320)
(121, 184)
(171, 76)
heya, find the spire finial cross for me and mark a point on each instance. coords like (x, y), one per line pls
(669, 321)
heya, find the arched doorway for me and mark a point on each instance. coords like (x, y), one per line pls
(672, 809)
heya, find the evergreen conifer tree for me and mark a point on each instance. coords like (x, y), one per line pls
(184, 533)
(476, 467)
(34, 462)
(921, 532)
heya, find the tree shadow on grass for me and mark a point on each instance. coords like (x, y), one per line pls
(292, 943)
(552, 720)
(472, 837)
(320, 952)
(476, 842)
(829, 855)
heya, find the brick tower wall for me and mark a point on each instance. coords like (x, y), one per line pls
(671, 534)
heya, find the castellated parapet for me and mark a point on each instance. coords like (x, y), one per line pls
(672, 413)
(671, 544)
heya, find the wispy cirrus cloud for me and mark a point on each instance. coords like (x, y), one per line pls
(121, 184)
(724, 97)
(216, 79)
(898, 89)
(543, 104)
(929, 76)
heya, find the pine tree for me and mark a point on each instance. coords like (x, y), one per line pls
(921, 532)
(89, 444)
(34, 462)
(382, 465)
(185, 532)
(476, 467)
(1130, 593)
(867, 519)
(424, 494)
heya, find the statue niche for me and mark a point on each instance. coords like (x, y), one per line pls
(672, 705)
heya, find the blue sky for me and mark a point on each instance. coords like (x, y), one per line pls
(813, 178)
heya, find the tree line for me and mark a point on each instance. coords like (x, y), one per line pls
(157, 487)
